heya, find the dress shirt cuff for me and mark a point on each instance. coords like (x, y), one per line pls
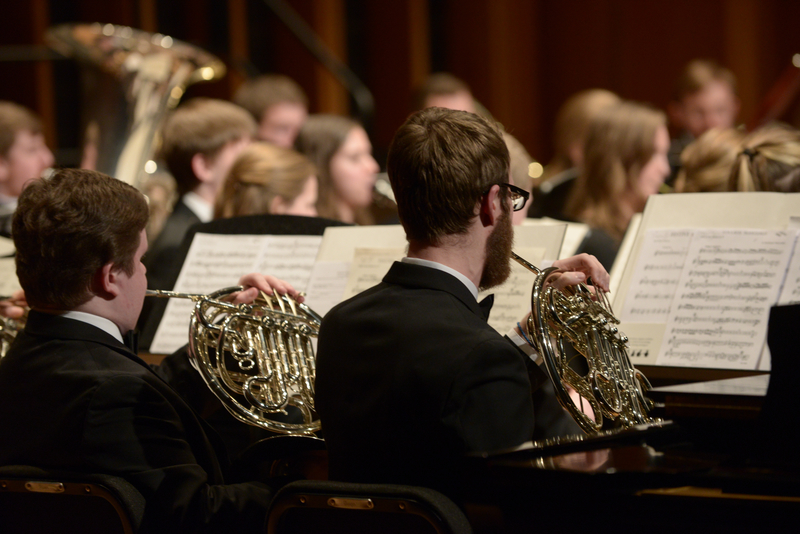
(524, 346)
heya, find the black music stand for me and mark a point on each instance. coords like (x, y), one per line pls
(153, 309)
(778, 427)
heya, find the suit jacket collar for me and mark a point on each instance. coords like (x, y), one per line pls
(54, 326)
(419, 276)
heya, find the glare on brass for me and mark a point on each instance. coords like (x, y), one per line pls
(257, 358)
(579, 323)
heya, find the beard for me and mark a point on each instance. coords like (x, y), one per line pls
(497, 265)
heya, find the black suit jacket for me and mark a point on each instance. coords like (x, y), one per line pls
(165, 252)
(410, 377)
(73, 398)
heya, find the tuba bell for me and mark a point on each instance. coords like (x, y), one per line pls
(577, 323)
(258, 359)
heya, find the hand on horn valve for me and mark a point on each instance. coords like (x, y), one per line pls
(256, 282)
(578, 269)
(14, 306)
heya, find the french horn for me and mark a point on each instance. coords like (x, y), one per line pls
(579, 323)
(258, 359)
(9, 328)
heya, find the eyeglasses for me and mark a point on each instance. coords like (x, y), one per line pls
(518, 195)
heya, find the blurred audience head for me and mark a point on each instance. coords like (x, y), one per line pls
(269, 179)
(24, 156)
(443, 90)
(768, 161)
(519, 171)
(200, 140)
(707, 162)
(625, 161)
(278, 104)
(342, 153)
(572, 123)
(704, 98)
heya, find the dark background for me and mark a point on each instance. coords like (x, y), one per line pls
(523, 58)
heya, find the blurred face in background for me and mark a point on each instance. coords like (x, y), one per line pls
(713, 106)
(656, 170)
(26, 160)
(353, 170)
(460, 100)
(304, 204)
(281, 123)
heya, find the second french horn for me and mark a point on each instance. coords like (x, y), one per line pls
(578, 323)
(257, 358)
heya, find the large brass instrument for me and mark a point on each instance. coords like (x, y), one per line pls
(130, 80)
(578, 322)
(257, 358)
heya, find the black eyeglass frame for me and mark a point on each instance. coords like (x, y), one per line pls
(518, 191)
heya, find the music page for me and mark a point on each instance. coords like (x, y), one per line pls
(512, 299)
(217, 261)
(368, 268)
(655, 278)
(326, 285)
(790, 294)
(730, 279)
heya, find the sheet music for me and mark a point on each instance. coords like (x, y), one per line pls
(512, 299)
(656, 276)
(6, 246)
(8, 277)
(216, 261)
(790, 293)
(326, 285)
(369, 267)
(720, 310)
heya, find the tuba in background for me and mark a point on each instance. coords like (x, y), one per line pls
(130, 79)
(258, 359)
(575, 332)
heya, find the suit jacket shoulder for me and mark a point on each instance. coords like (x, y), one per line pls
(107, 412)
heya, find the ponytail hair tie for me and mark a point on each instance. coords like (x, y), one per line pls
(750, 153)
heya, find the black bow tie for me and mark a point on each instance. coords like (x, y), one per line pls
(131, 340)
(486, 306)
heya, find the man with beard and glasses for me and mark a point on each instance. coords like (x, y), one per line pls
(410, 376)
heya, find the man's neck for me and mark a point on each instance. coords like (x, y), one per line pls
(461, 253)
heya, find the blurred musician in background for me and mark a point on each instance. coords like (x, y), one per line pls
(769, 160)
(24, 156)
(278, 104)
(72, 387)
(625, 161)
(707, 162)
(342, 152)
(200, 141)
(269, 179)
(552, 190)
(410, 376)
(519, 172)
(704, 97)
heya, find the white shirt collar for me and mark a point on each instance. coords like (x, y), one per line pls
(95, 320)
(201, 208)
(441, 267)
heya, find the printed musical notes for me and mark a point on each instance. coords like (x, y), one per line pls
(369, 267)
(217, 261)
(790, 294)
(656, 276)
(326, 285)
(721, 306)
